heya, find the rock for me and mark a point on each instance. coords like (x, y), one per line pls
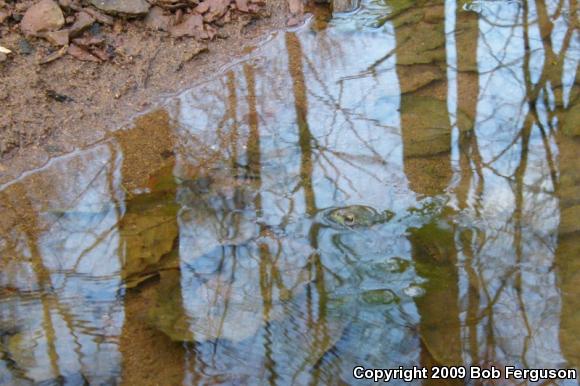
(293, 21)
(24, 47)
(104, 19)
(192, 26)
(157, 20)
(58, 38)
(122, 7)
(172, 4)
(82, 23)
(44, 16)
(213, 9)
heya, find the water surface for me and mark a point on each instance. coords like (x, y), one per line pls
(195, 247)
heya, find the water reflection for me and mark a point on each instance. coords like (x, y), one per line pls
(194, 247)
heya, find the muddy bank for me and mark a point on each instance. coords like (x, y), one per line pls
(53, 108)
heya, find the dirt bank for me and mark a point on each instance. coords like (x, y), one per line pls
(50, 109)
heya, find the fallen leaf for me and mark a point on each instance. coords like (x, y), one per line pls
(54, 56)
(80, 54)
(101, 54)
(88, 41)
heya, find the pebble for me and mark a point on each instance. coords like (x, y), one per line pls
(157, 20)
(43, 16)
(122, 7)
(83, 22)
(24, 47)
(101, 18)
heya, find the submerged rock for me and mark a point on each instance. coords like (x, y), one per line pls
(344, 5)
(122, 7)
(149, 238)
(44, 16)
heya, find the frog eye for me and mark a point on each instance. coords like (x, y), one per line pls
(349, 218)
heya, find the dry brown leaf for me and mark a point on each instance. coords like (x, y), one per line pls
(88, 41)
(101, 54)
(54, 56)
(80, 54)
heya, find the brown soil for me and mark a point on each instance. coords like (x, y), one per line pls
(52, 109)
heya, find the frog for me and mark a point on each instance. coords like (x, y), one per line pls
(358, 216)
